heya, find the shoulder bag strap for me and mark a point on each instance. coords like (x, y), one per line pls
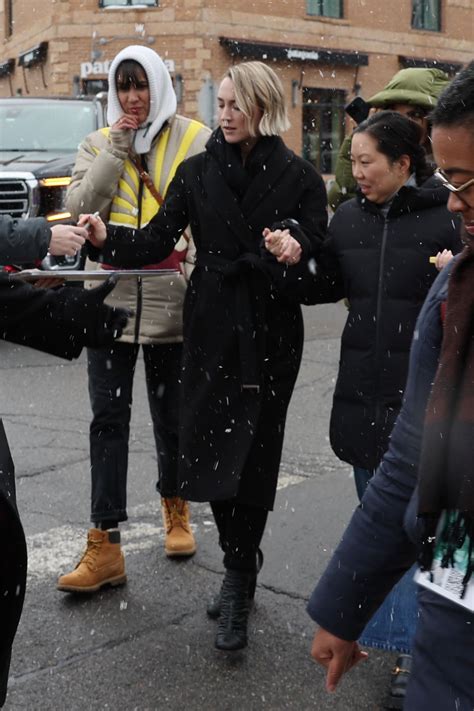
(146, 178)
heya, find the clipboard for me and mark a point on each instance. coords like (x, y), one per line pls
(93, 275)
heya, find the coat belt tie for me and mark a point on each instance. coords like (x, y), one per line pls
(249, 308)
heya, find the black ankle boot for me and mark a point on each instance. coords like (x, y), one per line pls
(213, 608)
(234, 611)
(399, 682)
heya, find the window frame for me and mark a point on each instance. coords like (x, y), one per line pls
(139, 4)
(9, 24)
(320, 12)
(328, 105)
(418, 5)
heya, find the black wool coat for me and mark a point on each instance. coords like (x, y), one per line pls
(242, 336)
(60, 322)
(38, 318)
(13, 561)
(380, 263)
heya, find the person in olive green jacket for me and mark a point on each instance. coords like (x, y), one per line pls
(413, 92)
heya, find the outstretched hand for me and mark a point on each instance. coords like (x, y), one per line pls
(96, 229)
(66, 240)
(336, 655)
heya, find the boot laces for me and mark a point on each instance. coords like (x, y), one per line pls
(90, 555)
(175, 514)
(234, 600)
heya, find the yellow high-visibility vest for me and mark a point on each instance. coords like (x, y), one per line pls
(124, 209)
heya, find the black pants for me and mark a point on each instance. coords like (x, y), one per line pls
(111, 372)
(240, 529)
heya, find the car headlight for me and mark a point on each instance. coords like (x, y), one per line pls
(53, 198)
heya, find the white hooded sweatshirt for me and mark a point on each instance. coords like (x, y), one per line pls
(162, 96)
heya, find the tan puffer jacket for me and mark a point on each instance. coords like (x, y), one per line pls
(157, 302)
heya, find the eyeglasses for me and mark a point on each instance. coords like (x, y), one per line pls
(445, 180)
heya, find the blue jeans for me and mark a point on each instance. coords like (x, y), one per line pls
(393, 625)
(361, 479)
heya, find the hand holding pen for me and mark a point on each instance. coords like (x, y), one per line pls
(96, 229)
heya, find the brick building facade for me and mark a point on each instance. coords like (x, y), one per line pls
(326, 51)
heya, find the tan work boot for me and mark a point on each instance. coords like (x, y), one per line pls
(101, 564)
(179, 539)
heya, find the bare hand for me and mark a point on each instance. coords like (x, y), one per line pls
(122, 132)
(282, 245)
(292, 251)
(273, 240)
(66, 240)
(336, 655)
(125, 123)
(95, 229)
(443, 258)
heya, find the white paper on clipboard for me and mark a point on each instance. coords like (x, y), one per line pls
(448, 581)
(93, 275)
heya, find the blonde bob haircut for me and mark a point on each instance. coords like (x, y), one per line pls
(257, 86)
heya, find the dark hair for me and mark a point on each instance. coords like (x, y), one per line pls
(455, 106)
(129, 73)
(396, 135)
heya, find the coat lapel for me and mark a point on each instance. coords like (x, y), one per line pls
(276, 164)
(237, 216)
(226, 204)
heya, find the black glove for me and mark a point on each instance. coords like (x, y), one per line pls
(96, 323)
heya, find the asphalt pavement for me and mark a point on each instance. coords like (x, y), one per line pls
(148, 645)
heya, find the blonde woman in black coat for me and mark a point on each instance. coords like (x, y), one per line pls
(242, 337)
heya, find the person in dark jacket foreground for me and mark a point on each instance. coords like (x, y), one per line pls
(242, 336)
(420, 504)
(377, 255)
(60, 322)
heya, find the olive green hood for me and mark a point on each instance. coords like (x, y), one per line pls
(418, 87)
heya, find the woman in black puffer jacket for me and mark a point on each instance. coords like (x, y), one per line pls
(377, 255)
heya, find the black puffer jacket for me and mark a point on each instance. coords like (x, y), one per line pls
(381, 264)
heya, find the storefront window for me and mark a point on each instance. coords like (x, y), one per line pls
(323, 126)
(90, 87)
(325, 8)
(426, 15)
(128, 3)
